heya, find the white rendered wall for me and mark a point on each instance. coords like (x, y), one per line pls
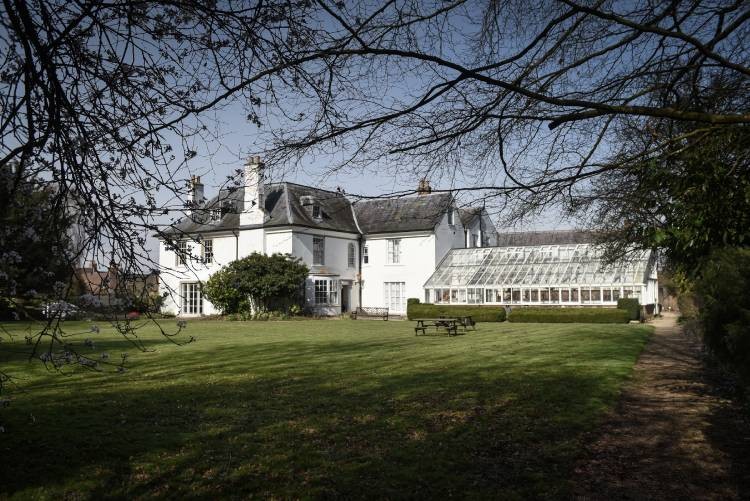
(224, 248)
(447, 237)
(336, 265)
(416, 266)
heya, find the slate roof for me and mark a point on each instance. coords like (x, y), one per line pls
(468, 214)
(283, 206)
(391, 215)
(554, 237)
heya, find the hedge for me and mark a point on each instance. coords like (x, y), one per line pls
(569, 315)
(724, 308)
(631, 305)
(477, 313)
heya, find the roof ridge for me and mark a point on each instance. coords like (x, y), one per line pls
(338, 193)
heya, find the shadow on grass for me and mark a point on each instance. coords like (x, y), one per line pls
(389, 417)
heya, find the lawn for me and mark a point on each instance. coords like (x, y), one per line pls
(301, 409)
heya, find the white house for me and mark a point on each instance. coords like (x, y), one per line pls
(373, 253)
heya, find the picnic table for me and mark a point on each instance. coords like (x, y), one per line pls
(449, 325)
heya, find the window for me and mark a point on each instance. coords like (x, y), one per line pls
(596, 295)
(365, 255)
(607, 295)
(544, 293)
(450, 217)
(615, 294)
(555, 295)
(326, 291)
(319, 251)
(585, 295)
(191, 298)
(565, 293)
(516, 295)
(316, 211)
(474, 296)
(574, 295)
(395, 296)
(351, 255)
(216, 214)
(321, 291)
(534, 295)
(181, 252)
(394, 251)
(208, 251)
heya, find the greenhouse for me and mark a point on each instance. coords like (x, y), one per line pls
(563, 275)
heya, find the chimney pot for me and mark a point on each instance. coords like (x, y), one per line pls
(424, 187)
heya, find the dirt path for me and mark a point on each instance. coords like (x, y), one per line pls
(673, 435)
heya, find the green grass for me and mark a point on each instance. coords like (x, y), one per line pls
(317, 409)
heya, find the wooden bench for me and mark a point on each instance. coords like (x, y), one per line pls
(449, 325)
(367, 312)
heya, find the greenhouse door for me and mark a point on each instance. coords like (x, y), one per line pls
(395, 297)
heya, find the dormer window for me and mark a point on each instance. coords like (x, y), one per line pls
(450, 217)
(216, 214)
(316, 213)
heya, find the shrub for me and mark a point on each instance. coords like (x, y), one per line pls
(631, 305)
(476, 312)
(569, 315)
(724, 308)
(257, 282)
(412, 300)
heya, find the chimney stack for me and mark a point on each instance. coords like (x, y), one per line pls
(254, 201)
(424, 187)
(196, 189)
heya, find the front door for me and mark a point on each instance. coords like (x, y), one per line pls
(346, 292)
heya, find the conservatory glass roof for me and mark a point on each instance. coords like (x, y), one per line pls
(542, 265)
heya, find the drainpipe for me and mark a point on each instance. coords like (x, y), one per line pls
(236, 244)
(359, 272)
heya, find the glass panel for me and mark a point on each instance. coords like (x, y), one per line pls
(526, 294)
(596, 295)
(319, 251)
(573, 295)
(321, 291)
(534, 295)
(585, 295)
(565, 295)
(607, 295)
(555, 295)
(544, 295)
(516, 294)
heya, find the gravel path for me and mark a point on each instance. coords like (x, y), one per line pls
(673, 435)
